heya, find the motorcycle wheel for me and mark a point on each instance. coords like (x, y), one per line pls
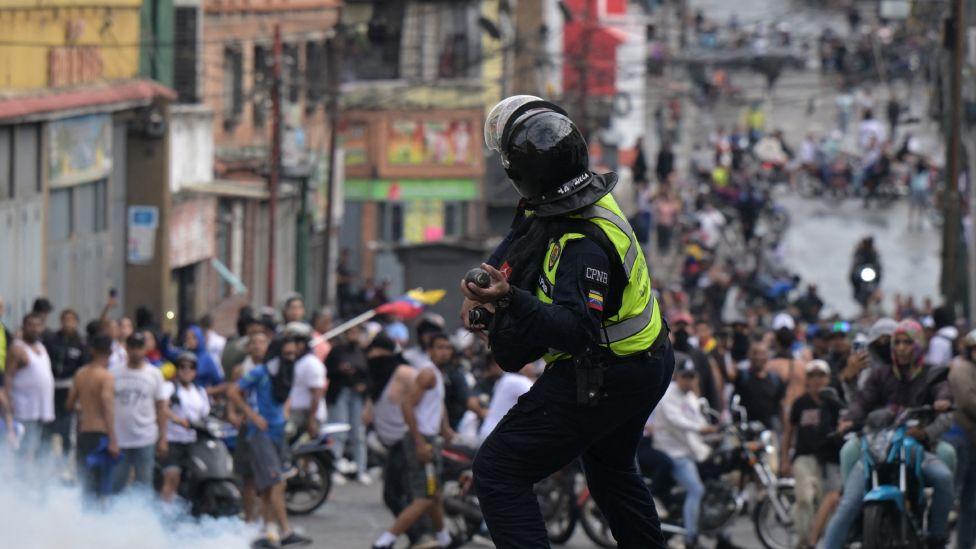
(309, 488)
(219, 499)
(558, 509)
(595, 525)
(459, 526)
(880, 527)
(772, 532)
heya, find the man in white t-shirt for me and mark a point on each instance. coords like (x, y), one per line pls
(306, 398)
(188, 404)
(505, 394)
(140, 415)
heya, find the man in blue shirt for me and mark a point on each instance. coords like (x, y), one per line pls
(267, 387)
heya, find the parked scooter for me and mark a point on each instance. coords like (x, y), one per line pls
(207, 480)
(310, 486)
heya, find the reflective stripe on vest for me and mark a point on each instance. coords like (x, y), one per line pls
(638, 322)
(3, 348)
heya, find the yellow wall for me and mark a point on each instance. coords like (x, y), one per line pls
(30, 28)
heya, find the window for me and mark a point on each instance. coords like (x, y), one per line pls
(60, 220)
(78, 210)
(233, 93)
(291, 70)
(390, 221)
(261, 96)
(185, 54)
(376, 49)
(316, 74)
(455, 218)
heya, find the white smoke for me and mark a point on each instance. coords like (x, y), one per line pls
(47, 514)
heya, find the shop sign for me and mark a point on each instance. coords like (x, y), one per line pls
(79, 149)
(433, 143)
(192, 231)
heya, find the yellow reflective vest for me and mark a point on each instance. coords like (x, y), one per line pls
(635, 326)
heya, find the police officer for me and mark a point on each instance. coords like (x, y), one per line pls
(568, 284)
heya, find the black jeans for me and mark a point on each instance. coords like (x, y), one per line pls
(546, 429)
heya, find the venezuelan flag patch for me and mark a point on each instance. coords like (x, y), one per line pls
(594, 300)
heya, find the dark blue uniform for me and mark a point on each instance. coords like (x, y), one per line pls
(547, 429)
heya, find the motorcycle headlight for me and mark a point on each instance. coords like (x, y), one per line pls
(868, 274)
(768, 441)
(878, 444)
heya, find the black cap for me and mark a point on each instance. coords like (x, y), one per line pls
(382, 341)
(136, 340)
(686, 368)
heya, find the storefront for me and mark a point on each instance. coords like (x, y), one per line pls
(411, 177)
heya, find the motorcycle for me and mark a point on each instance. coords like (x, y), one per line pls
(462, 512)
(744, 451)
(207, 479)
(309, 487)
(866, 277)
(895, 503)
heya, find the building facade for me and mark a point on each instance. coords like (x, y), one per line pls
(83, 159)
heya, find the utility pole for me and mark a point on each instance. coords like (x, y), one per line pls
(333, 58)
(582, 72)
(275, 174)
(951, 198)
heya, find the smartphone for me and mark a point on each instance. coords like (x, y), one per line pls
(859, 346)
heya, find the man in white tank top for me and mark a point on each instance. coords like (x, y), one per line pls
(30, 385)
(424, 415)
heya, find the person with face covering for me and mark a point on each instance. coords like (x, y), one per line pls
(898, 386)
(861, 363)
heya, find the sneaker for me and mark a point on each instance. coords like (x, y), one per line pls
(265, 543)
(338, 479)
(288, 471)
(345, 466)
(364, 479)
(378, 546)
(295, 538)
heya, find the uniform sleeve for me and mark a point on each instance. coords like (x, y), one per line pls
(572, 322)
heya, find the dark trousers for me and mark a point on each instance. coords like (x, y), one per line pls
(546, 429)
(396, 490)
(655, 465)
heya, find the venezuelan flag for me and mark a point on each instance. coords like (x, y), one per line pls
(411, 304)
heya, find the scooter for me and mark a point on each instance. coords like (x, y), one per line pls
(309, 487)
(207, 480)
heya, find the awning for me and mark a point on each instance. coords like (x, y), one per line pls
(254, 190)
(58, 103)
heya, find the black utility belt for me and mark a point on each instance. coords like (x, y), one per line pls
(591, 367)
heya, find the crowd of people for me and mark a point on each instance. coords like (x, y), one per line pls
(122, 397)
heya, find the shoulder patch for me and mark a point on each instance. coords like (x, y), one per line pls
(554, 253)
(596, 275)
(594, 300)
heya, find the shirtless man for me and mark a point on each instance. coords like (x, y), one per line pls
(93, 395)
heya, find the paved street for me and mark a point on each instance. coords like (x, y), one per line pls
(354, 517)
